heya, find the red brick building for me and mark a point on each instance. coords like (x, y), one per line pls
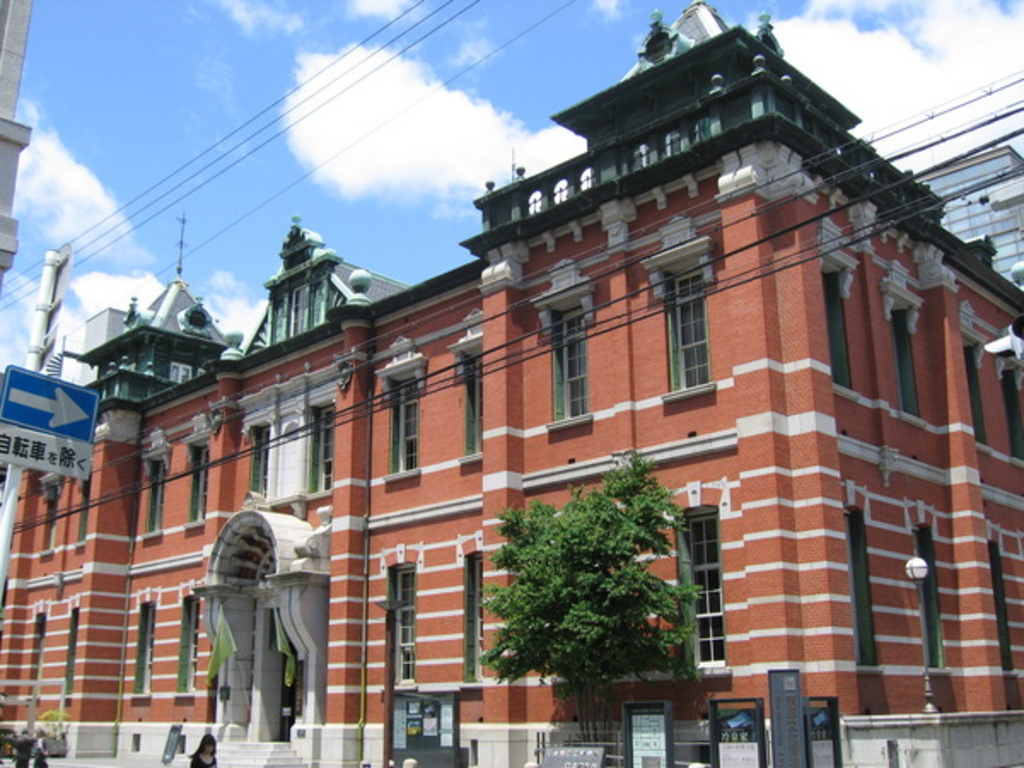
(725, 282)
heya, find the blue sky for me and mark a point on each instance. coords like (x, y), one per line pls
(413, 106)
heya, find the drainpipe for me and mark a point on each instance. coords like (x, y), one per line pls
(363, 656)
(133, 525)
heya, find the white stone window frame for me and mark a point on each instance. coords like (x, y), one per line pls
(158, 452)
(570, 290)
(896, 295)
(834, 257)
(683, 252)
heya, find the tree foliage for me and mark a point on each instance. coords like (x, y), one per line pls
(583, 604)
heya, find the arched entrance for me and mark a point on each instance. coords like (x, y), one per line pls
(267, 579)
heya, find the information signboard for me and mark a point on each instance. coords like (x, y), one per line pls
(648, 738)
(45, 453)
(737, 733)
(790, 745)
(426, 729)
(45, 404)
(823, 725)
(573, 757)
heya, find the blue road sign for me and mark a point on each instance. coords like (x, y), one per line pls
(45, 404)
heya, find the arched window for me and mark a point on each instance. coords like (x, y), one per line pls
(587, 179)
(561, 191)
(641, 157)
(536, 202)
(673, 143)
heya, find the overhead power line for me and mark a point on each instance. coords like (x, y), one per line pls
(504, 355)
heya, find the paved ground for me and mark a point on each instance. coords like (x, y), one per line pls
(122, 761)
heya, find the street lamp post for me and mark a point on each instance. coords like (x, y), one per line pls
(389, 607)
(917, 572)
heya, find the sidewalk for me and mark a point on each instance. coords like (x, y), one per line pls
(133, 760)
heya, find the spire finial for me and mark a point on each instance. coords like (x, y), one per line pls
(181, 242)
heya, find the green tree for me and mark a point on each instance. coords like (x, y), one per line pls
(583, 604)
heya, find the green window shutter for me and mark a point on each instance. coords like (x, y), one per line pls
(675, 361)
(974, 388)
(185, 643)
(69, 669)
(395, 459)
(860, 582)
(315, 450)
(558, 368)
(931, 607)
(143, 646)
(904, 363)
(1011, 398)
(999, 597)
(836, 320)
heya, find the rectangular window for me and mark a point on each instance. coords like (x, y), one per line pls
(155, 507)
(473, 382)
(925, 549)
(974, 389)
(689, 351)
(403, 589)
(474, 617)
(700, 565)
(995, 561)
(144, 648)
(569, 338)
(69, 667)
(405, 426)
(51, 493)
(83, 513)
(1011, 400)
(321, 460)
(38, 644)
(188, 644)
(180, 372)
(300, 310)
(836, 319)
(905, 378)
(259, 467)
(860, 587)
(199, 469)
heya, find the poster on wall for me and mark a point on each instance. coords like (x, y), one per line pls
(737, 733)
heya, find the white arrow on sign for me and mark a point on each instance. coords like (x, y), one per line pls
(64, 409)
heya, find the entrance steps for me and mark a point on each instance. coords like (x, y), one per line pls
(259, 754)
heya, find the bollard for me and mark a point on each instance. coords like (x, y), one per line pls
(410, 762)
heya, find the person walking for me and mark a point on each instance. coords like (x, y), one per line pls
(23, 750)
(39, 753)
(206, 755)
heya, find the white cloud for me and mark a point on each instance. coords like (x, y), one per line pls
(888, 69)
(232, 303)
(65, 202)
(258, 15)
(402, 135)
(609, 8)
(380, 9)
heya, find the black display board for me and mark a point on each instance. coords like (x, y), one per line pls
(648, 737)
(737, 733)
(823, 726)
(427, 729)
